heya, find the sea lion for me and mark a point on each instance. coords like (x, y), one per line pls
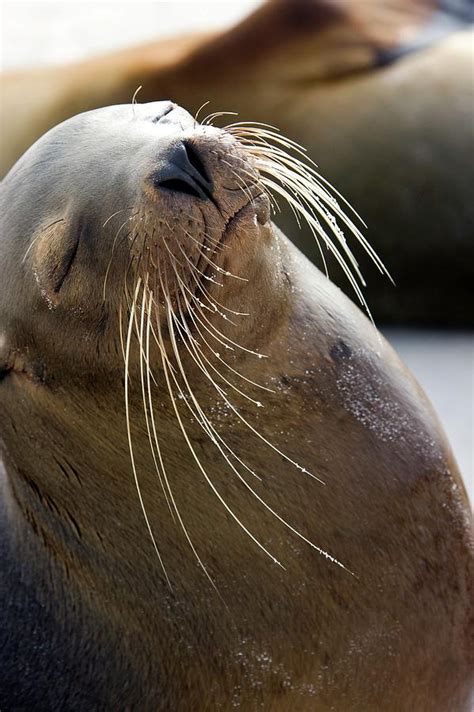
(259, 509)
(380, 93)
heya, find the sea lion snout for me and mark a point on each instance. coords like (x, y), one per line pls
(182, 171)
(193, 160)
(202, 163)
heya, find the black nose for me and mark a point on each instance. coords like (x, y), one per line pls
(182, 171)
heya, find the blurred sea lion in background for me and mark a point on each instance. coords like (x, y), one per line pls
(380, 92)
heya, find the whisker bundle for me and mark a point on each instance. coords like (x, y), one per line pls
(286, 170)
(173, 317)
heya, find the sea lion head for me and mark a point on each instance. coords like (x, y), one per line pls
(121, 206)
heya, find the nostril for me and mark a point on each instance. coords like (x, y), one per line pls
(182, 171)
(179, 186)
(196, 162)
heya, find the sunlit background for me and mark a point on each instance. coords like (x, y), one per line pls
(40, 33)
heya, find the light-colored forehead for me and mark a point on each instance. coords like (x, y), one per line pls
(98, 147)
(110, 130)
(130, 119)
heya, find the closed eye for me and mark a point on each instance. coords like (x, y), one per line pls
(167, 111)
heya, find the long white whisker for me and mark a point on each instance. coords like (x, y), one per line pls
(146, 391)
(198, 462)
(129, 433)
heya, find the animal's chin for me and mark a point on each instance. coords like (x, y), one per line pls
(170, 259)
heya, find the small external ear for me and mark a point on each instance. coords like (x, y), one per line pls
(54, 248)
